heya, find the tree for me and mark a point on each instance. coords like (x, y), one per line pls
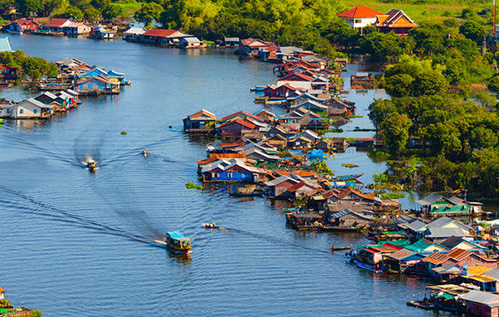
(474, 31)
(111, 11)
(92, 14)
(429, 83)
(72, 12)
(29, 7)
(493, 84)
(399, 85)
(396, 132)
(148, 13)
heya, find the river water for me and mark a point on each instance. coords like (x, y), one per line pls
(72, 243)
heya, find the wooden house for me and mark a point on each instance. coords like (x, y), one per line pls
(236, 128)
(93, 72)
(266, 115)
(351, 199)
(8, 73)
(97, 85)
(300, 142)
(201, 121)
(282, 91)
(337, 106)
(162, 36)
(278, 140)
(233, 170)
(298, 191)
(280, 130)
(311, 105)
(231, 41)
(349, 219)
(27, 109)
(296, 80)
(22, 26)
(191, 42)
(277, 187)
(395, 21)
(251, 45)
(242, 115)
(133, 33)
(480, 303)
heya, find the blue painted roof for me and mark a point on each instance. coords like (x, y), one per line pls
(176, 235)
(5, 45)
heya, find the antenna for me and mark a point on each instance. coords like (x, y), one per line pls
(494, 21)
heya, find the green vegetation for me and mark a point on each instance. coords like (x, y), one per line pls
(34, 67)
(441, 127)
(192, 185)
(37, 313)
(322, 168)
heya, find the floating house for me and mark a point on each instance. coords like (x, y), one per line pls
(236, 128)
(22, 26)
(191, 42)
(231, 41)
(97, 85)
(162, 36)
(8, 73)
(296, 80)
(99, 32)
(201, 121)
(360, 16)
(133, 34)
(251, 45)
(480, 303)
(233, 170)
(27, 109)
(67, 27)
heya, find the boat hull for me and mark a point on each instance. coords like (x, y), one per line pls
(366, 266)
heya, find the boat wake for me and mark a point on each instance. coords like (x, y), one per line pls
(45, 210)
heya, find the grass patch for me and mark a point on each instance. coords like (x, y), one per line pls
(192, 185)
(128, 7)
(420, 11)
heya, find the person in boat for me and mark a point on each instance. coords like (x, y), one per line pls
(91, 164)
(144, 152)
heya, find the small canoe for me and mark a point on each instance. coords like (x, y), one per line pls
(333, 248)
(366, 266)
(346, 177)
(257, 88)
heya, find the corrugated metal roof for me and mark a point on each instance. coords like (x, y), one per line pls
(481, 297)
(436, 258)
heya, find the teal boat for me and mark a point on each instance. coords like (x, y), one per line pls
(177, 243)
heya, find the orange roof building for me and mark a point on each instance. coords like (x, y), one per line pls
(360, 16)
(396, 21)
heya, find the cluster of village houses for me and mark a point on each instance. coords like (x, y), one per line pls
(75, 79)
(461, 258)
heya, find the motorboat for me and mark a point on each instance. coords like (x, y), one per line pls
(91, 165)
(144, 152)
(177, 243)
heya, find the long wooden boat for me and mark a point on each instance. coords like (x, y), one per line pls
(366, 266)
(346, 177)
(333, 248)
(54, 86)
(177, 243)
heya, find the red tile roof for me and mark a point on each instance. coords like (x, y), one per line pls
(300, 76)
(245, 113)
(23, 22)
(360, 12)
(56, 22)
(241, 122)
(160, 32)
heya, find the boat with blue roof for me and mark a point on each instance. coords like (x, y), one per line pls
(177, 243)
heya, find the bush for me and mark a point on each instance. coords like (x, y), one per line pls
(192, 185)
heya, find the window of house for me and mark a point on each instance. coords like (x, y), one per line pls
(358, 21)
(8, 110)
(35, 111)
(21, 111)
